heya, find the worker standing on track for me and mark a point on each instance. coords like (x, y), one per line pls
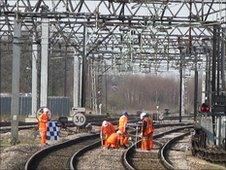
(42, 124)
(107, 129)
(122, 130)
(147, 130)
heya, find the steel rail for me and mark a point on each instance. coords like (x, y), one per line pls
(32, 163)
(6, 126)
(82, 151)
(6, 129)
(74, 158)
(37, 157)
(131, 149)
(163, 151)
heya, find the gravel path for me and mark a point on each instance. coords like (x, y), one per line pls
(101, 159)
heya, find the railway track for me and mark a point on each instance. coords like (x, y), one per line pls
(103, 158)
(75, 157)
(167, 155)
(58, 156)
(66, 155)
(135, 159)
(97, 121)
(6, 126)
(6, 129)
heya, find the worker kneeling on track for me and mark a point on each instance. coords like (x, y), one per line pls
(123, 139)
(113, 141)
(147, 130)
(122, 129)
(107, 129)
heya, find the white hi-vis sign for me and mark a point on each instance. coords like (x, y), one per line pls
(79, 119)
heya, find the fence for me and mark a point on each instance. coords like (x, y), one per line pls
(58, 105)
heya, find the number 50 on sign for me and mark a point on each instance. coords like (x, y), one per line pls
(79, 119)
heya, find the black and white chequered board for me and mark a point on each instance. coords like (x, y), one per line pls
(52, 130)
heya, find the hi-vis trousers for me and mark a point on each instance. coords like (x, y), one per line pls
(43, 136)
(147, 142)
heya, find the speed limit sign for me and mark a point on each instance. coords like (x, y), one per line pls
(79, 119)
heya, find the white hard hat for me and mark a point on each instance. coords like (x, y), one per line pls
(119, 132)
(104, 123)
(45, 110)
(142, 115)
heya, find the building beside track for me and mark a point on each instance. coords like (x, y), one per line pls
(58, 104)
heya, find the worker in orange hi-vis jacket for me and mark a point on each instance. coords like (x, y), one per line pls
(107, 129)
(113, 141)
(147, 130)
(42, 124)
(122, 130)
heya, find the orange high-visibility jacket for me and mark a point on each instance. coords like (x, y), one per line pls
(107, 130)
(147, 126)
(113, 140)
(43, 119)
(123, 120)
